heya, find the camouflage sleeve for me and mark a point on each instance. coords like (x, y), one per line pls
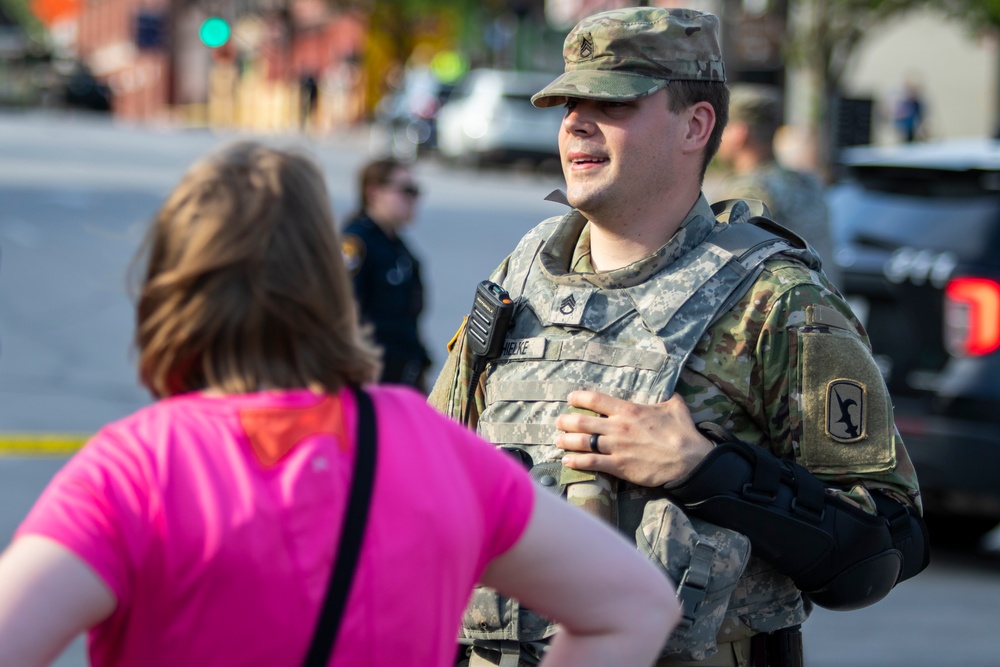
(450, 389)
(449, 395)
(823, 397)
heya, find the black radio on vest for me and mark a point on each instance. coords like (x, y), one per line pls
(486, 329)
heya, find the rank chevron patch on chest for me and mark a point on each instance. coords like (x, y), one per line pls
(568, 305)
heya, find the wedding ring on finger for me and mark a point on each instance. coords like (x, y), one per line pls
(593, 443)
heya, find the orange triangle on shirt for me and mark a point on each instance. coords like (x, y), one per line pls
(273, 432)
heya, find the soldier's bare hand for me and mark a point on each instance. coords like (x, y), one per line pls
(647, 445)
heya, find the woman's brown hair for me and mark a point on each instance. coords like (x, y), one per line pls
(244, 286)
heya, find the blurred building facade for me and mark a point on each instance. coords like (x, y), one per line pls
(152, 54)
(138, 73)
(958, 76)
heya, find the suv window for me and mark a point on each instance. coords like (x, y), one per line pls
(944, 211)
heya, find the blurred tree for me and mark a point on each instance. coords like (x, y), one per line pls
(981, 16)
(21, 13)
(398, 27)
(977, 13)
(825, 36)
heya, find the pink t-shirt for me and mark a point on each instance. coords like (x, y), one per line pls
(213, 520)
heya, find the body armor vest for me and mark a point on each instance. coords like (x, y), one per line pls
(627, 333)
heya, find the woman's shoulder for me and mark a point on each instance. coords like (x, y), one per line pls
(403, 415)
(396, 402)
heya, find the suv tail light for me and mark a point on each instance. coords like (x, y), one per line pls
(972, 316)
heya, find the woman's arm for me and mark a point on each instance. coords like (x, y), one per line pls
(614, 607)
(48, 595)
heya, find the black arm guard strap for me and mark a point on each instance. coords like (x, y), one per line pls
(838, 554)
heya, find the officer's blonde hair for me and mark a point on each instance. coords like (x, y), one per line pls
(243, 284)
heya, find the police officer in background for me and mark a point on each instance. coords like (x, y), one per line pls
(794, 198)
(385, 273)
(686, 372)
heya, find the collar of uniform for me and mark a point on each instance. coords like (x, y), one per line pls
(369, 223)
(565, 256)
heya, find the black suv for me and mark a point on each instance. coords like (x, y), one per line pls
(917, 229)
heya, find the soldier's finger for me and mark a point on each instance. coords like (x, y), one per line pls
(596, 401)
(598, 444)
(579, 423)
(574, 442)
(591, 462)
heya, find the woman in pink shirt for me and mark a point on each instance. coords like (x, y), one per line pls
(202, 529)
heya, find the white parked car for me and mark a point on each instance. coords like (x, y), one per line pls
(489, 117)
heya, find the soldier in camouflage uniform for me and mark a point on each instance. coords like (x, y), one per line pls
(686, 372)
(794, 198)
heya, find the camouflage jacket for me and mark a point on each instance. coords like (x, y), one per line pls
(765, 370)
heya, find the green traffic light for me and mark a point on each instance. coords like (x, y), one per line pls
(448, 66)
(214, 32)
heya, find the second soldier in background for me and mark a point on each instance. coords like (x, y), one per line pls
(794, 198)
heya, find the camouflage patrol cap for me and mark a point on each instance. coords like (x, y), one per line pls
(625, 54)
(757, 105)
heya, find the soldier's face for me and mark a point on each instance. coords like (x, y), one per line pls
(617, 156)
(733, 139)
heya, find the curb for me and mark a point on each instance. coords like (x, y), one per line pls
(49, 444)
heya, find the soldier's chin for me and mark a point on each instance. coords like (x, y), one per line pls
(584, 199)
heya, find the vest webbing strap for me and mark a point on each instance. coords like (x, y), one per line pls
(518, 434)
(742, 239)
(598, 353)
(536, 390)
(510, 654)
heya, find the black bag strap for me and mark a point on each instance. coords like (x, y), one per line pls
(351, 536)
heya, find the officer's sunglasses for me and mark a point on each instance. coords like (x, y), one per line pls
(408, 189)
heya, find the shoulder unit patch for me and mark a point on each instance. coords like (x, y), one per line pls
(846, 410)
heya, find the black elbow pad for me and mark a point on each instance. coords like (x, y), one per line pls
(838, 554)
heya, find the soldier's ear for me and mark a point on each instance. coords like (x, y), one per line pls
(700, 118)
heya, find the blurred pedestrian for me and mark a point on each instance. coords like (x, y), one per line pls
(385, 273)
(308, 100)
(795, 199)
(909, 112)
(202, 529)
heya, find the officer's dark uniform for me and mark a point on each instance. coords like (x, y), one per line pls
(387, 285)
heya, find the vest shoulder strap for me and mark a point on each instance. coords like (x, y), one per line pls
(756, 213)
(731, 210)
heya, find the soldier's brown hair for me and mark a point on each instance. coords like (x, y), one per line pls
(243, 285)
(683, 93)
